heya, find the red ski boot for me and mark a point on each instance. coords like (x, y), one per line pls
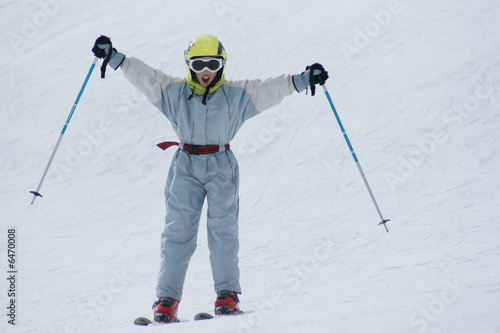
(227, 303)
(165, 310)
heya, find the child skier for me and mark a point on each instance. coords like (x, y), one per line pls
(206, 111)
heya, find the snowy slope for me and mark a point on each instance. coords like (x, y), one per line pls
(417, 87)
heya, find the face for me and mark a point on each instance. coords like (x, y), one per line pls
(205, 77)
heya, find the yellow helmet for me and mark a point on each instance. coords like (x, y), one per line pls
(204, 46)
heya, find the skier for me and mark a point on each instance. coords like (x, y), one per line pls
(206, 111)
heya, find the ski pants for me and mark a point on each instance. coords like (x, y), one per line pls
(191, 179)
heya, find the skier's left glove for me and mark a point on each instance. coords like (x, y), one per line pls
(103, 48)
(314, 74)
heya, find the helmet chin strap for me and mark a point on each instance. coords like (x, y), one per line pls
(204, 100)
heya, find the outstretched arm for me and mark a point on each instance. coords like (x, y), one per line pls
(259, 95)
(154, 84)
(151, 82)
(255, 96)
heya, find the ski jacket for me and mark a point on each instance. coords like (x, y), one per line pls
(217, 122)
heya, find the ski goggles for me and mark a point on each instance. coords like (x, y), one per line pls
(211, 64)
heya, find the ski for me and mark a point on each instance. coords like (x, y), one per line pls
(205, 315)
(143, 321)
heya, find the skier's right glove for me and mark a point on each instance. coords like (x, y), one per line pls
(317, 75)
(314, 74)
(103, 48)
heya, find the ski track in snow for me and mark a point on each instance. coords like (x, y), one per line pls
(418, 94)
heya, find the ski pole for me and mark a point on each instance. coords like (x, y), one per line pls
(384, 221)
(37, 192)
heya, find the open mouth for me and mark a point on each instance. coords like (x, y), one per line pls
(205, 78)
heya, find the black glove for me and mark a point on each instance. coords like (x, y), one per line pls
(103, 48)
(317, 75)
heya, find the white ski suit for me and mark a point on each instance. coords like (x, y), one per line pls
(191, 177)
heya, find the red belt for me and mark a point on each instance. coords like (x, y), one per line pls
(193, 149)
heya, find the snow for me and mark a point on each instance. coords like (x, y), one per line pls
(416, 85)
